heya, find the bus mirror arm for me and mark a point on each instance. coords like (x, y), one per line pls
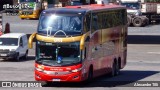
(83, 39)
(30, 41)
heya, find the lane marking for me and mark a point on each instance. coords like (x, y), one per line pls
(153, 52)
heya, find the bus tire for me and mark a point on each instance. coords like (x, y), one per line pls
(117, 69)
(137, 22)
(113, 71)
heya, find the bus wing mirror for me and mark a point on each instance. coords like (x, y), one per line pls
(30, 41)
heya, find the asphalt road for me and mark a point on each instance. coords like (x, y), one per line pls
(18, 25)
(143, 63)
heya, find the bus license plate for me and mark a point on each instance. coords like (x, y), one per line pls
(3, 54)
(56, 80)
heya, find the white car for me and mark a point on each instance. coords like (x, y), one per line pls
(13, 45)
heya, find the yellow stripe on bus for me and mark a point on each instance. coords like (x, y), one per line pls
(52, 39)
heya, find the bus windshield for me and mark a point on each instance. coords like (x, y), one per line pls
(131, 5)
(28, 0)
(68, 24)
(58, 54)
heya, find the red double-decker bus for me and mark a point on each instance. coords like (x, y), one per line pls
(78, 43)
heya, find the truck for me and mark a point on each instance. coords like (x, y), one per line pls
(148, 10)
(31, 8)
(151, 9)
(134, 14)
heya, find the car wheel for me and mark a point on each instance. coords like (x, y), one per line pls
(17, 57)
(26, 55)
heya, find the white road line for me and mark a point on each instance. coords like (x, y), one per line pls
(153, 52)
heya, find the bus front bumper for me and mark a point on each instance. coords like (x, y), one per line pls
(71, 77)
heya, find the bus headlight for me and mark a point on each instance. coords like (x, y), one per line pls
(39, 69)
(76, 70)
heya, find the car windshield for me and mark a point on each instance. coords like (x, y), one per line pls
(58, 54)
(9, 41)
(28, 0)
(131, 5)
(66, 24)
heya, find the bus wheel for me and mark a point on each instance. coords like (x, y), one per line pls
(113, 72)
(137, 22)
(117, 70)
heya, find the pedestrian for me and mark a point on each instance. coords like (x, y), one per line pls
(7, 28)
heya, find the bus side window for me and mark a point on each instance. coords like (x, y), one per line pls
(94, 23)
(104, 21)
(100, 21)
(84, 54)
(87, 23)
(124, 16)
(109, 20)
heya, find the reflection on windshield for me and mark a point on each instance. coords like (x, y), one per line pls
(64, 23)
(63, 54)
(9, 41)
(131, 5)
(28, 0)
(75, 3)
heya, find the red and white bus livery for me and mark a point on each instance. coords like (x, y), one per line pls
(78, 43)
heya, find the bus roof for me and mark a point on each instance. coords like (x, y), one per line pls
(97, 6)
(82, 8)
